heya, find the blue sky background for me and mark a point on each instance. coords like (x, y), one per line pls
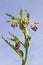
(35, 8)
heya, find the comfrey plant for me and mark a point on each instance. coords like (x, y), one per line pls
(23, 23)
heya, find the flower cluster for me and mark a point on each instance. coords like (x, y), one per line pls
(25, 21)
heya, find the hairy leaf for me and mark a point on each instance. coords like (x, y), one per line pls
(15, 38)
(18, 51)
(11, 16)
(21, 13)
(18, 41)
(8, 20)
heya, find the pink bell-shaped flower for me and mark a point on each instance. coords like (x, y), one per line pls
(34, 26)
(14, 23)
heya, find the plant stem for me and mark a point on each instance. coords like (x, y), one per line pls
(26, 49)
(26, 54)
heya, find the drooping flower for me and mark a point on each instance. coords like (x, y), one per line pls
(34, 26)
(25, 21)
(17, 45)
(14, 23)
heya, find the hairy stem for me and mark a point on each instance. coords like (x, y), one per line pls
(26, 54)
(25, 59)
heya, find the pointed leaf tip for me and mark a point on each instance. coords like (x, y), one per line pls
(18, 51)
(21, 13)
(28, 16)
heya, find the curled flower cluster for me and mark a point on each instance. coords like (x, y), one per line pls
(25, 21)
(14, 23)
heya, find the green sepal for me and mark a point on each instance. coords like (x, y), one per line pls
(18, 51)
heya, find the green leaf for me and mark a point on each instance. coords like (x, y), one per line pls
(28, 16)
(23, 29)
(15, 38)
(12, 39)
(21, 13)
(8, 14)
(8, 20)
(18, 41)
(28, 38)
(18, 51)
(5, 40)
(12, 17)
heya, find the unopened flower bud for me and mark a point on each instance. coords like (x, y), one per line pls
(17, 45)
